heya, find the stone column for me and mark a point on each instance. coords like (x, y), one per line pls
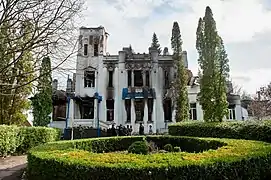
(132, 112)
(154, 116)
(95, 120)
(145, 119)
(71, 113)
(133, 80)
(144, 77)
(117, 115)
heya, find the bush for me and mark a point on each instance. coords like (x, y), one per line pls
(18, 140)
(177, 149)
(139, 147)
(77, 160)
(237, 130)
(10, 139)
(33, 136)
(168, 147)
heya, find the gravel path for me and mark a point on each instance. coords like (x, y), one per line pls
(11, 168)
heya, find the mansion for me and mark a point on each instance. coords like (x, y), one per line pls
(126, 88)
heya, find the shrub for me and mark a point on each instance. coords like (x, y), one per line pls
(139, 147)
(33, 136)
(18, 140)
(10, 139)
(168, 147)
(177, 149)
(236, 130)
(237, 159)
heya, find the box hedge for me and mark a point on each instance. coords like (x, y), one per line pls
(260, 131)
(79, 160)
(18, 140)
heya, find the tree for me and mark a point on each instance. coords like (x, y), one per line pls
(29, 31)
(52, 32)
(182, 103)
(214, 69)
(155, 43)
(14, 100)
(42, 101)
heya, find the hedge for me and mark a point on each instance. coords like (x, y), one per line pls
(260, 131)
(79, 160)
(18, 140)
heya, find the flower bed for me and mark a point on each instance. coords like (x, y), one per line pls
(260, 131)
(216, 159)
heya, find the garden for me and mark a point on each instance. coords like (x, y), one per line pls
(192, 150)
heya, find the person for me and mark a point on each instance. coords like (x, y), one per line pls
(141, 129)
(130, 130)
(113, 129)
(150, 129)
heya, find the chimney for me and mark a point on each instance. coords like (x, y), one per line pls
(55, 84)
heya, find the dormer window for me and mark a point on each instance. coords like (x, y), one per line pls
(85, 49)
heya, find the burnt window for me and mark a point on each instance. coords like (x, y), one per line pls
(167, 110)
(138, 78)
(96, 49)
(89, 78)
(147, 78)
(139, 109)
(129, 78)
(193, 111)
(87, 109)
(110, 109)
(128, 109)
(166, 79)
(85, 49)
(110, 79)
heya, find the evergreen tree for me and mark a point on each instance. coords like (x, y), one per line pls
(42, 101)
(182, 103)
(155, 43)
(214, 67)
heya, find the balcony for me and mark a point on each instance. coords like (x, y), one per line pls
(138, 93)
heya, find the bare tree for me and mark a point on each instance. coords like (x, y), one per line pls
(260, 105)
(51, 32)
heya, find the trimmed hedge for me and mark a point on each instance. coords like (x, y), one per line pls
(260, 131)
(18, 140)
(77, 160)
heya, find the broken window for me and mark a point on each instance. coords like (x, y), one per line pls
(96, 49)
(129, 78)
(166, 79)
(110, 109)
(167, 110)
(138, 78)
(85, 49)
(147, 78)
(110, 79)
(231, 115)
(139, 109)
(128, 109)
(89, 78)
(193, 111)
(87, 109)
(150, 109)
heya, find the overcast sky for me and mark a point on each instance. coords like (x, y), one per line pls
(245, 26)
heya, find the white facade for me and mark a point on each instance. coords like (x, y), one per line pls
(126, 95)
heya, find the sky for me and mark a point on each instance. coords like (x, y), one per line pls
(244, 26)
